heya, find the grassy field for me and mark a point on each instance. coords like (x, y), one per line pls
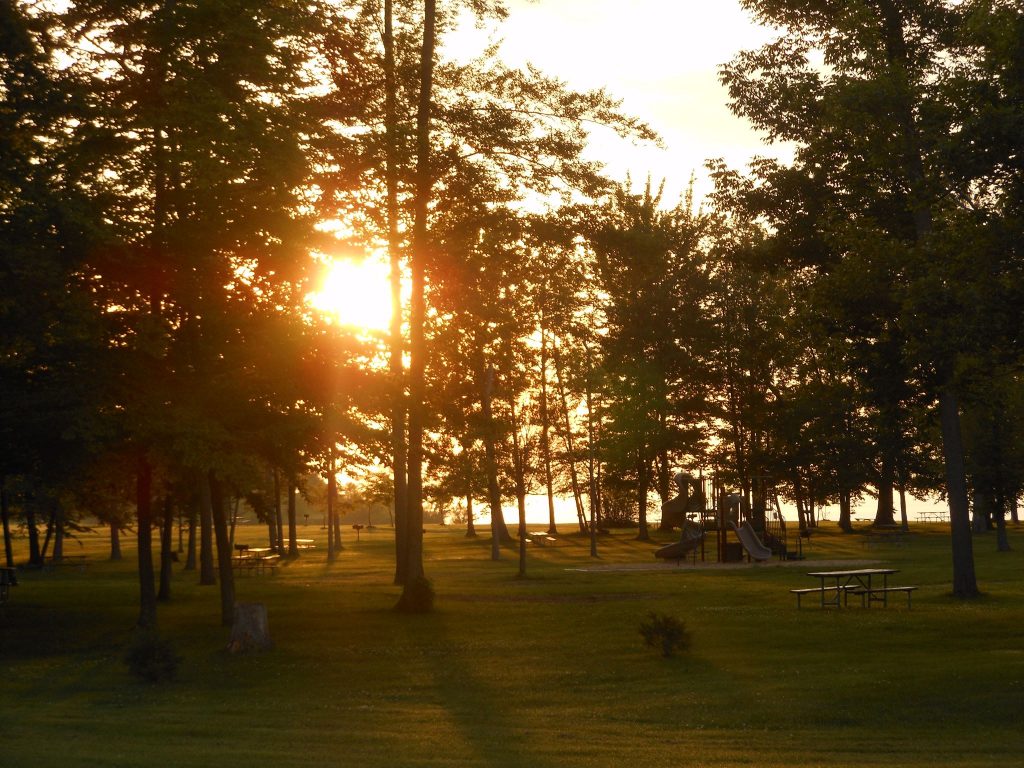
(544, 671)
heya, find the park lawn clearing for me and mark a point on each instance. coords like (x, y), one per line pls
(549, 670)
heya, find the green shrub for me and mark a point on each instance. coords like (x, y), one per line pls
(665, 632)
(151, 658)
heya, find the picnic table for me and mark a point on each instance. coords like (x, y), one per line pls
(256, 559)
(835, 587)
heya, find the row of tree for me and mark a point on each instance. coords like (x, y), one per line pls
(845, 324)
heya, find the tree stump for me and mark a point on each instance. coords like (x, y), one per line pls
(249, 629)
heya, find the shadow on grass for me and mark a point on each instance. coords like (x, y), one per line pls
(485, 717)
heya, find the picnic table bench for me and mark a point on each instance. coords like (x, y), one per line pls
(8, 579)
(836, 586)
(254, 559)
(833, 592)
(881, 594)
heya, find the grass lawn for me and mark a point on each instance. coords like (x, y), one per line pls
(545, 671)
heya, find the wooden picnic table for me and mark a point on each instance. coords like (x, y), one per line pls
(835, 585)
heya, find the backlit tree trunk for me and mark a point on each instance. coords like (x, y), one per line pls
(417, 309)
(396, 367)
(144, 515)
(220, 527)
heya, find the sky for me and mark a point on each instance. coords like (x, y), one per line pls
(661, 59)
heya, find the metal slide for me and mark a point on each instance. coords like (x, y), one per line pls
(751, 543)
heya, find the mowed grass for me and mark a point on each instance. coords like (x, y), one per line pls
(545, 671)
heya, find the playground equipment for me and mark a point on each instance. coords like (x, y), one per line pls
(752, 544)
(691, 539)
(757, 533)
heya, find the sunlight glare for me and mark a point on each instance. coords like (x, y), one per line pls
(355, 293)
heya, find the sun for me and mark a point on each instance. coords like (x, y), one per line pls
(355, 293)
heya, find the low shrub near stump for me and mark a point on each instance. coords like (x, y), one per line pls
(151, 658)
(667, 633)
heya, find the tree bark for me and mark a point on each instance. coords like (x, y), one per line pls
(207, 575)
(116, 555)
(166, 554)
(279, 520)
(545, 425)
(220, 527)
(5, 516)
(643, 485)
(331, 483)
(293, 545)
(570, 453)
(396, 367)
(190, 545)
(964, 581)
(499, 533)
(144, 514)
(417, 309)
(249, 628)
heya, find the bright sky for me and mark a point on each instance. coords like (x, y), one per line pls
(661, 58)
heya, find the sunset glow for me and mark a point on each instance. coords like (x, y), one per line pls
(355, 293)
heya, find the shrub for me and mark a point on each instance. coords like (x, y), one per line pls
(151, 657)
(665, 632)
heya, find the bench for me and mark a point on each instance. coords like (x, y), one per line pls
(822, 591)
(8, 579)
(871, 595)
(268, 561)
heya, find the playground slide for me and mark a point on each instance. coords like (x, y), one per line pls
(689, 541)
(751, 543)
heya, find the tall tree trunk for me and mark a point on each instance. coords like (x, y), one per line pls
(35, 556)
(51, 516)
(279, 520)
(1002, 540)
(417, 311)
(570, 453)
(58, 530)
(499, 533)
(965, 583)
(545, 428)
(593, 468)
(884, 512)
(166, 554)
(220, 527)
(293, 545)
(5, 516)
(845, 523)
(396, 367)
(519, 471)
(643, 485)
(904, 523)
(144, 513)
(470, 526)
(207, 575)
(331, 511)
(190, 545)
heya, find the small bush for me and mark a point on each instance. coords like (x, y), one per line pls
(665, 632)
(417, 597)
(151, 657)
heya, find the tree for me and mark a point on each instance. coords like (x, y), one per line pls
(873, 129)
(648, 263)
